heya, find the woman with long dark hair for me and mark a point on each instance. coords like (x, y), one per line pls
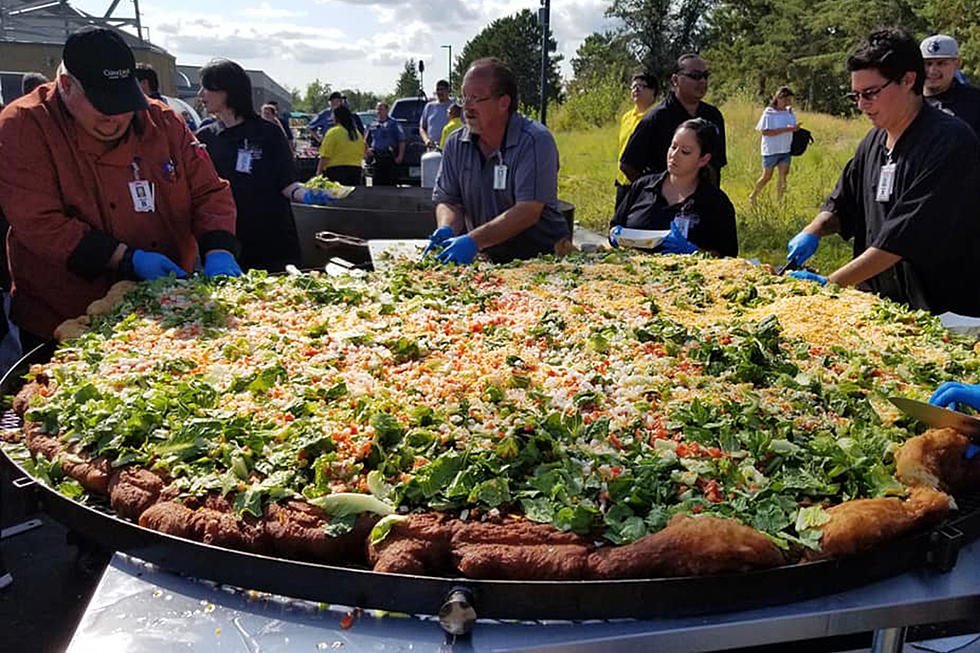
(342, 150)
(254, 156)
(682, 199)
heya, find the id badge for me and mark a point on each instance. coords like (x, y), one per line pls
(142, 193)
(684, 222)
(244, 161)
(886, 182)
(500, 177)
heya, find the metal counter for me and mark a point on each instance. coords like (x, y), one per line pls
(138, 608)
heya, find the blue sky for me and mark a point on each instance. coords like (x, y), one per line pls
(347, 43)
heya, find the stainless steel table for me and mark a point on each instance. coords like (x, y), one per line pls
(137, 608)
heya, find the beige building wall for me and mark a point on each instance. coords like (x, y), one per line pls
(44, 58)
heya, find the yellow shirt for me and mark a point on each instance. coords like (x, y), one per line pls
(451, 126)
(340, 150)
(627, 124)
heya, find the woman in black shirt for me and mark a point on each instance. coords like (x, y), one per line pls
(682, 199)
(254, 156)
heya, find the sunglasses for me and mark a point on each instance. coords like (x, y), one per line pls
(868, 95)
(697, 75)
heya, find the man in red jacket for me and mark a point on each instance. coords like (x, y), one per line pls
(99, 185)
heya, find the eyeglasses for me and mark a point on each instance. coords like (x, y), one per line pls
(470, 99)
(697, 75)
(868, 95)
(638, 87)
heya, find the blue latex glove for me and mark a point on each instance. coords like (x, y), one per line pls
(221, 263)
(614, 234)
(150, 265)
(806, 275)
(676, 243)
(461, 249)
(953, 393)
(316, 196)
(801, 247)
(438, 238)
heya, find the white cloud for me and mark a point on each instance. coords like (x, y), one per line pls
(265, 10)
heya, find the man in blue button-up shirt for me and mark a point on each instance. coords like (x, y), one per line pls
(498, 183)
(386, 145)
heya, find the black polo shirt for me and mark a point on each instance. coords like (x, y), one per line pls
(711, 214)
(647, 148)
(932, 218)
(962, 101)
(265, 225)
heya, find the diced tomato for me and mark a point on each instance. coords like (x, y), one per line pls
(712, 493)
(696, 509)
(614, 441)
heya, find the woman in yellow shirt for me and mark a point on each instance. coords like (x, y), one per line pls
(455, 122)
(342, 150)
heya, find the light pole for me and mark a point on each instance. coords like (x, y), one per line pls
(544, 17)
(450, 80)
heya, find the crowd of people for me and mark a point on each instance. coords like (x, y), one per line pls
(123, 189)
(908, 199)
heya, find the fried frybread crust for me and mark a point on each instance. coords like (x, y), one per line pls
(860, 524)
(689, 546)
(936, 459)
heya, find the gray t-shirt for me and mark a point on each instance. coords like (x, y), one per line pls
(434, 117)
(466, 179)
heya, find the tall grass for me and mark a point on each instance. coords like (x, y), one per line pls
(589, 164)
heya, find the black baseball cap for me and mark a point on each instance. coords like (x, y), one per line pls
(336, 95)
(104, 65)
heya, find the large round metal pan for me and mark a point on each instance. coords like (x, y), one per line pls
(593, 599)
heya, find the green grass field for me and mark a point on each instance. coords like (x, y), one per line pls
(588, 167)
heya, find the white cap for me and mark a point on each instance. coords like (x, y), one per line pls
(939, 46)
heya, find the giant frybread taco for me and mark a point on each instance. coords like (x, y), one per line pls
(612, 416)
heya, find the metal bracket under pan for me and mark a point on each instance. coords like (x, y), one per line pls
(498, 599)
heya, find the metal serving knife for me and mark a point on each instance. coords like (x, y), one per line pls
(790, 264)
(938, 416)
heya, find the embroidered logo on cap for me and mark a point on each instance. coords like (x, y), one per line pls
(934, 47)
(120, 73)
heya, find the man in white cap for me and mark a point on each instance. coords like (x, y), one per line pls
(942, 89)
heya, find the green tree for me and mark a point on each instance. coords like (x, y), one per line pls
(604, 54)
(408, 84)
(361, 100)
(515, 40)
(314, 100)
(659, 31)
(758, 45)
(961, 20)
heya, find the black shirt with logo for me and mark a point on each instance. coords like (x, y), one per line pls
(708, 212)
(647, 147)
(962, 101)
(265, 224)
(931, 217)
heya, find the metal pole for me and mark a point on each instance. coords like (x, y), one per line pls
(450, 66)
(545, 17)
(888, 640)
(139, 25)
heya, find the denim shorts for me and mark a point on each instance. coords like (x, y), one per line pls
(771, 160)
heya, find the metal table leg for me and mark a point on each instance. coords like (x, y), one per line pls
(888, 640)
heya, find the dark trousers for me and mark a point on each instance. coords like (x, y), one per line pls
(346, 175)
(28, 341)
(384, 170)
